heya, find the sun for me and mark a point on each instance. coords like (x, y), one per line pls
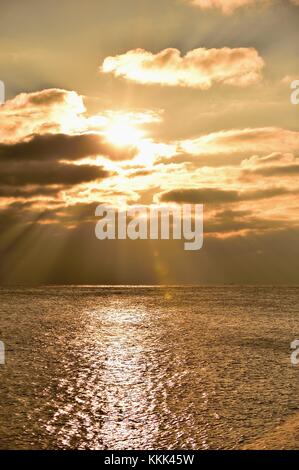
(122, 132)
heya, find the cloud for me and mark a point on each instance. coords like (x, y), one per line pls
(29, 192)
(218, 196)
(270, 160)
(279, 171)
(244, 141)
(39, 113)
(200, 68)
(227, 7)
(74, 214)
(234, 221)
(273, 165)
(43, 168)
(48, 173)
(41, 135)
(63, 146)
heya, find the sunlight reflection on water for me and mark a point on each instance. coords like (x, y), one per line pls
(132, 368)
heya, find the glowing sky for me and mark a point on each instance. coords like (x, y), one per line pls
(142, 102)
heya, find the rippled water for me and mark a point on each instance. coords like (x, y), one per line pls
(145, 367)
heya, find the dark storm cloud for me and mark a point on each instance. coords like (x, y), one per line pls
(48, 173)
(218, 196)
(63, 146)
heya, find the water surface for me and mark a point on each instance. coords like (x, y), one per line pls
(146, 367)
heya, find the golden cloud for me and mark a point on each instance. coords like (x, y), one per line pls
(263, 140)
(275, 165)
(51, 110)
(199, 68)
(228, 7)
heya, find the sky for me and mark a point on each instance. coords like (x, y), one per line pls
(142, 102)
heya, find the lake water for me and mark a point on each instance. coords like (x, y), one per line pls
(146, 367)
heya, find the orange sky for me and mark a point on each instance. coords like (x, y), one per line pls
(103, 106)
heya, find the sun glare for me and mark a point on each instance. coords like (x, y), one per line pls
(120, 131)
